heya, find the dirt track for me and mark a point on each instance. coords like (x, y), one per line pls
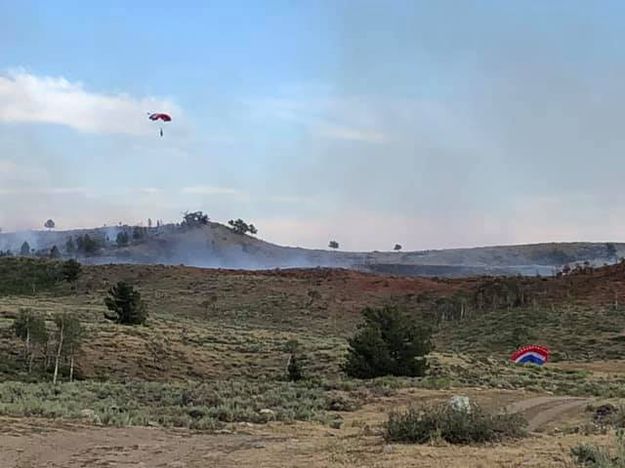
(542, 410)
(41, 443)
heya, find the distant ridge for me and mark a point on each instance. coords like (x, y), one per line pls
(214, 245)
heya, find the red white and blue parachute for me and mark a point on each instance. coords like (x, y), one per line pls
(531, 354)
(159, 116)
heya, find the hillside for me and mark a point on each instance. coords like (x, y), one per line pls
(216, 246)
(211, 360)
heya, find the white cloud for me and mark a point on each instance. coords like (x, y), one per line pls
(27, 98)
(211, 190)
(44, 191)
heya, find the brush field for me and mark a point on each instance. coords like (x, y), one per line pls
(203, 383)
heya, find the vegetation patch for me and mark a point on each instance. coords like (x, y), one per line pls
(196, 406)
(455, 426)
(21, 276)
(593, 456)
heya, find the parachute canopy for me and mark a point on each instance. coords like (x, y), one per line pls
(158, 116)
(532, 354)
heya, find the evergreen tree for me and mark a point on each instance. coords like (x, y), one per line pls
(70, 246)
(55, 252)
(388, 343)
(25, 249)
(126, 304)
(71, 270)
(294, 369)
(122, 239)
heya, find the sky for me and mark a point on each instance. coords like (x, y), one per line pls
(429, 124)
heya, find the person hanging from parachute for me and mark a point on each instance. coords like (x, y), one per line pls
(159, 116)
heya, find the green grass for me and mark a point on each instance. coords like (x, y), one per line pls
(196, 406)
(575, 332)
(592, 456)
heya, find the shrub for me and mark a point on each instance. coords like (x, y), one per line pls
(421, 425)
(599, 457)
(294, 369)
(388, 343)
(71, 270)
(126, 304)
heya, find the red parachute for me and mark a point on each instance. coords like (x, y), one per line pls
(163, 117)
(159, 116)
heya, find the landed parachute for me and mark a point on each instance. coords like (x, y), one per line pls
(159, 116)
(531, 354)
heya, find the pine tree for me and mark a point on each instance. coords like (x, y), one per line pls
(126, 304)
(388, 343)
(25, 249)
(71, 270)
(55, 252)
(70, 247)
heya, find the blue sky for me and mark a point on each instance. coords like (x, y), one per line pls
(431, 124)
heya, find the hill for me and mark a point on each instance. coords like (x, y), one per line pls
(213, 353)
(214, 245)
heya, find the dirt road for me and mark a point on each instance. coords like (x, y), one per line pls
(543, 410)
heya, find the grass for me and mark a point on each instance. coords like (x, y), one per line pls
(196, 406)
(242, 336)
(572, 331)
(428, 423)
(592, 456)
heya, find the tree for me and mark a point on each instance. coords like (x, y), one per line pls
(294, 368)
(138, 232)
(241, 227)
(31, 329)
(333, 244)
(397, 248)
(68, 340)
(49, 224)
(87, 245)
(55, 252)
(610, 251)
(122, 239)
(293, 365)
(388, 343)
(70, 246)
(126, 304)
(71, 270)
(196, 218)
(25, 249)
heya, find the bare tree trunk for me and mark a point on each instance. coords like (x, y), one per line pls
(71, 367)
(288, 363)
(58, 354)
(27, 351)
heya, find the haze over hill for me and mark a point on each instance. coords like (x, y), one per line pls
(213, 245)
